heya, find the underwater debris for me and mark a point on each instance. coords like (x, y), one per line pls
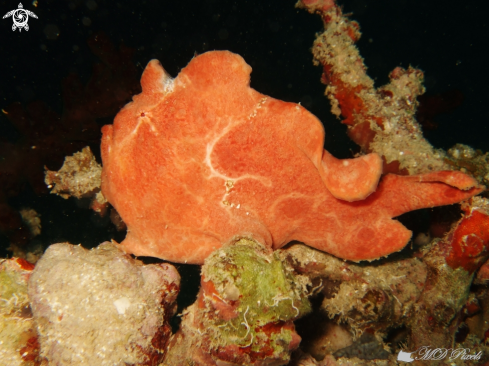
(101, 307)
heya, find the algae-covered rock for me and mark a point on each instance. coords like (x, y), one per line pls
(255, 285)
(18, 339)
(101, 307)
(245, 310)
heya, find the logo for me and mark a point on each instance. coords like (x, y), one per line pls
(20, 17)
(427, 353)
(404, 356)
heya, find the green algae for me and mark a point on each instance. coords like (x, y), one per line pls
(16, 324)
(13, 292)
(265, 293)
(8, 285)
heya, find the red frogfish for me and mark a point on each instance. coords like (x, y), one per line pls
(199, 161)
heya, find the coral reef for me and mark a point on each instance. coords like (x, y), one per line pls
(431, 300)
(381, 120)
(206, 170)
(101, 307)
(427, 296)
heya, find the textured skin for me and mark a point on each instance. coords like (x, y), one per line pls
(194, 163)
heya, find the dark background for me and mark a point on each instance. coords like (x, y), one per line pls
(448, 40)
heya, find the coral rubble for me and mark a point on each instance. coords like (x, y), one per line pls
(101, 307)
(80, 176)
